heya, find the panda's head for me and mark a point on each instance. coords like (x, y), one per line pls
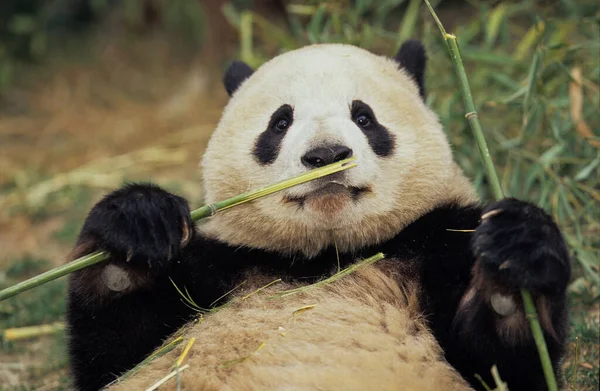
(314, 106)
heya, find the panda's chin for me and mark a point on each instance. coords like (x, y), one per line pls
(330, 200)
(327, 205)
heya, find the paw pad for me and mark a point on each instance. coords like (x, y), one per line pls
(115, 278)
(503, 305)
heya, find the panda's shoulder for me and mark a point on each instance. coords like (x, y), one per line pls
(442, 228)
(463, 216)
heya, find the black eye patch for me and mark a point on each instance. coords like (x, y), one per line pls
(380, 139)
(268, 143)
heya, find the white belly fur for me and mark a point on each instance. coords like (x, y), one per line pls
(362, 332)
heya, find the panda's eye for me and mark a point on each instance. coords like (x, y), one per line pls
(282, 124)
(380, 139)
(362, 120)
(268, 144)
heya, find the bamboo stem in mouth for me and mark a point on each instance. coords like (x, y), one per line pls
(198, 214)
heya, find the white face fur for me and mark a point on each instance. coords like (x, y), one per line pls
(405, 166)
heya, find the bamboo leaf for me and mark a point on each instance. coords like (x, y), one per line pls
(314, 27)
(532, 81)
(587, 170)
(531, 38)
(409, 22)
(548, 157)
(246, 51)
(494, 24)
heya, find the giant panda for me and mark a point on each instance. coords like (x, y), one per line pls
(437, 312)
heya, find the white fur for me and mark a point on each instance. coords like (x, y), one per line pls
(363, 332)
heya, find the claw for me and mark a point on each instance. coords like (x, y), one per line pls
(491, 213)
(186, 235)
(504, 265)
(129, 255)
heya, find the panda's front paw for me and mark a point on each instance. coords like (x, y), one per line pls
(519, 246)
(141, 226)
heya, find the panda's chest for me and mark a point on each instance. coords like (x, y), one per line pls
(360, 332)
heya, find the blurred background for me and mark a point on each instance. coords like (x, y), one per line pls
(94, 93)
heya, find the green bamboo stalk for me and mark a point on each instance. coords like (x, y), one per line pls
(246, 50)
(200, 213)
(490, 170)
(471, 115)
(409, 22)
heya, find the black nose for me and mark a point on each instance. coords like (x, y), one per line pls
(323, 156)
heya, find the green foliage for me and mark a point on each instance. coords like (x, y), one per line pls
(43, 305)
(362, 23)
(582, 370)
(25, 267)
(30, 29)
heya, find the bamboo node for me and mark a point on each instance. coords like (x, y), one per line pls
(472, 114)
(531, 316)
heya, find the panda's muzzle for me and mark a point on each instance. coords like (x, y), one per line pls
(334, 184)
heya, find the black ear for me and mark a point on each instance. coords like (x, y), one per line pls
(235, 74)
(412, 58)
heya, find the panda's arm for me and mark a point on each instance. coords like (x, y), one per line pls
(121, 309)
(472, 285)
(112, 331)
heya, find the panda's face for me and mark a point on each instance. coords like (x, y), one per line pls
(312, 107)
(304, 134)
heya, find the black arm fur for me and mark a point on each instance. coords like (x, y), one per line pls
(143, 228)
(452, 262)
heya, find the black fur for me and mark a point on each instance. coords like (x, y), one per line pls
(268, 143)
(327, 154)
(235, 75)
(474, 347)
(119, 225)
(412, 57)
(380, 139)
(111, 333)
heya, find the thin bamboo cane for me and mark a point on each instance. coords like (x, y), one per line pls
(200, 213)
(471, 116)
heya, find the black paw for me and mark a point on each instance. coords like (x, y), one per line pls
(141, 225)
(520, 246)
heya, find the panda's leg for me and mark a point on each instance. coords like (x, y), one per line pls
(121, 309)
(516, 246)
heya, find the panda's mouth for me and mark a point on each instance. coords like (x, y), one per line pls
(329, 188)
